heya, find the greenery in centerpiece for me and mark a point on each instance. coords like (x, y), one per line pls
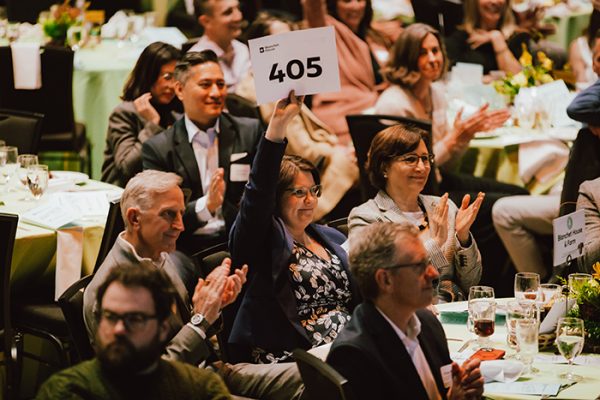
(61, 18)
(530, 75)
(588, 309)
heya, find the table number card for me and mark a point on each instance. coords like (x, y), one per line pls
(569, 236)
(305, 61)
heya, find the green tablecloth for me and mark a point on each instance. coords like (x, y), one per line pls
(34, 254)
(588, 389)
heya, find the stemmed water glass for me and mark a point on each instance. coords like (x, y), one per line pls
(570, 337)
(25, 160)
(8, 163)
(527, 341)
(527, 286)
(37, 179)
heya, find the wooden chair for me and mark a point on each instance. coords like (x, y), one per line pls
(321, 381)
(363, 129)
(21, 129)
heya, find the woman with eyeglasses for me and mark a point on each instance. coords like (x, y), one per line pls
(398, 164)
(149, 106)
(301, 293)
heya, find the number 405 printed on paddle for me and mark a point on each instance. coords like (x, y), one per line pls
(304, 60)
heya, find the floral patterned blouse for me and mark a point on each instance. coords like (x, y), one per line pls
(322, 291)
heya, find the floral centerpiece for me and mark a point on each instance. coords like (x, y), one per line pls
(60, 19)
(588, 309)
(530, 75)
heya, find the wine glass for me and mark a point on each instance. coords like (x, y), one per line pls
(478, 292)
(570, 336)
(483, 311)
(24, 161)
(37, 180)
(527, 342)
(527, 286)
(8, 163)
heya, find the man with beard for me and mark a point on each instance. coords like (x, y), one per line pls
(135, 303)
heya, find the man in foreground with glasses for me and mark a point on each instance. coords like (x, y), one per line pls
(136, 302)
(394, 348)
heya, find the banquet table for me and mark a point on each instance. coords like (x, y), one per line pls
(496, 155)
(36, 260)
(549, 365)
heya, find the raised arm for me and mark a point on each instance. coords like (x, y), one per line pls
(314, 12)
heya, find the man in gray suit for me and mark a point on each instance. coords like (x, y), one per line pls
(152, 207)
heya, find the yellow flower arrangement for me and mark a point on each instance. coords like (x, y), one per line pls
(529, 76)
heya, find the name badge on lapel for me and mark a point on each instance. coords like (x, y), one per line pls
(446, 372)
(239, 172)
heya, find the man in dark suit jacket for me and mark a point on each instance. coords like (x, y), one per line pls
(394, 348)
(212, 151)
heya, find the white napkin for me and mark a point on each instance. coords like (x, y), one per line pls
(542, 159)
(501, 370)
(69, 255)
(27, 66)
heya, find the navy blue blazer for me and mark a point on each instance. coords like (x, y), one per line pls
(369, 353)
(172, 151)
(268, 316)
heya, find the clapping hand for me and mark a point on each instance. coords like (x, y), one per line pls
(144, 108)
(467, 382)
(481, 121)
(438, 221)
(208, 294)
(216, 191)
(466, 216)
(234, 284)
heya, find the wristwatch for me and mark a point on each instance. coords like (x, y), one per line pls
(199, 321)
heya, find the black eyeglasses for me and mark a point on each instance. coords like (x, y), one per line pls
(420, 266)
(413, 159)
(301, 193)
(133, 321)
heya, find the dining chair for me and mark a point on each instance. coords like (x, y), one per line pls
(60, 132)
(341, 224)
(321, 380)
(21, 129)
(8, 231)
(71, 304)
(363, 129)
(207, 260)
(114, 225)
(27, 314)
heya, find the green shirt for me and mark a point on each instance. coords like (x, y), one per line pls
(171, 380)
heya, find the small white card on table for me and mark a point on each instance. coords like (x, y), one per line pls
(569, 236)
